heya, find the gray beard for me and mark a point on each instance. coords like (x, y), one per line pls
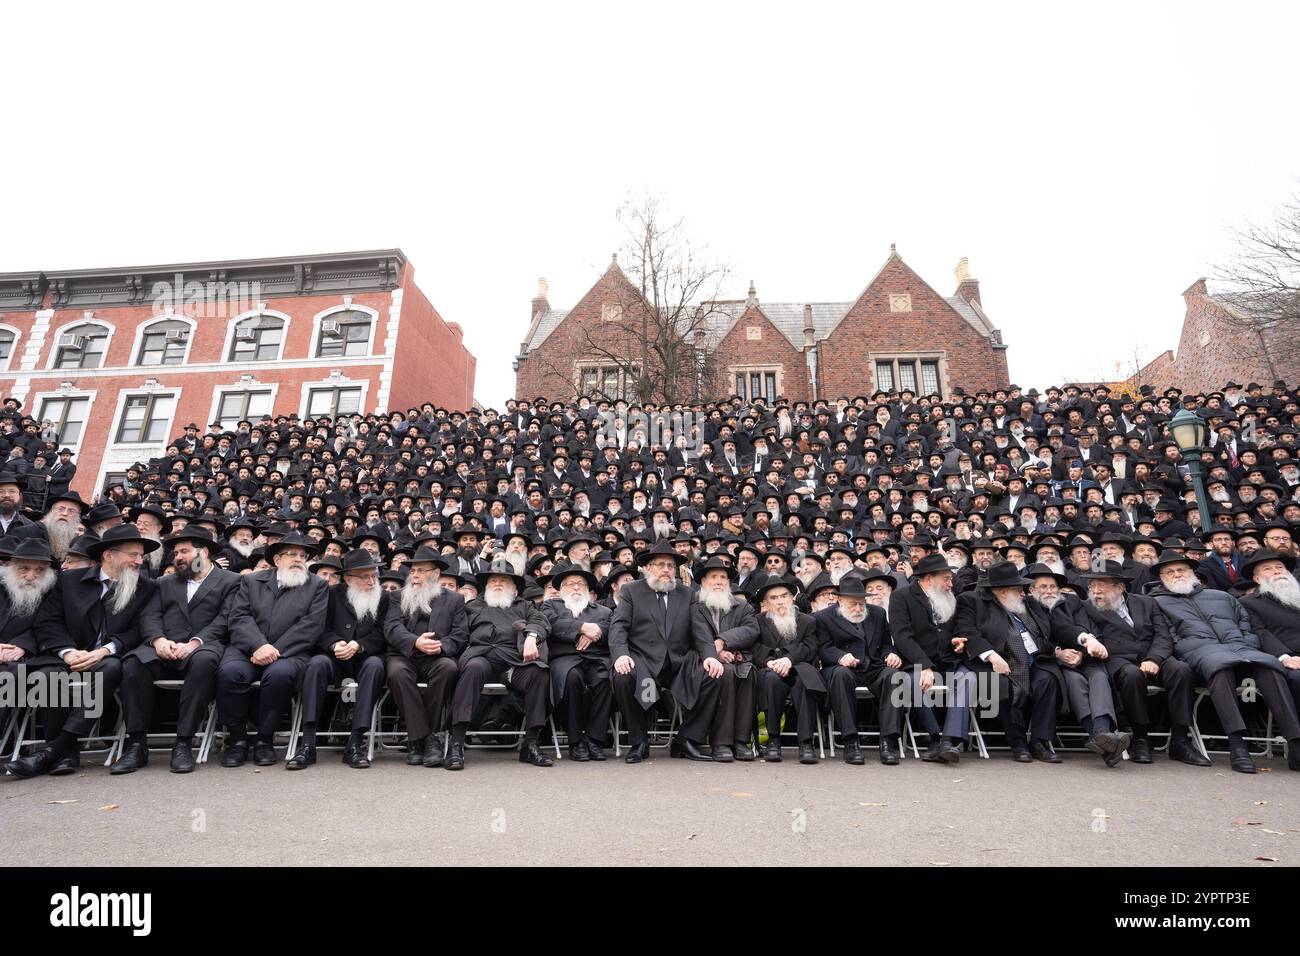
(662, 529)
(127, 581)
(517, 561)
(1050, 602)
(154, 557)
(1106, 605)
(244, 550)
(417, 602)
(785, 624)
(499, 599)
(942, 602)
(1182, 588)
(25, 598)
(720, 601)
(364, 604)
(60, 534)
(292, 578)
(1013, 605)
(857, 617)
(576, 604)
(1284, 589)
(663, 587)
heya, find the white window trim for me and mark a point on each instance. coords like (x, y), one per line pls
(734, 370)
(141, 446)
(334, 310)
(918, 357)
(340, 382)
(583, 365)
(144, 326)
(7, 364)
(218, 391)
(40, 397)
(245, 316)
(57, 333)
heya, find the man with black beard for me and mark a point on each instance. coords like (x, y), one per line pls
(24, 581)
(276, 617)
(579, 659)
(733, 628)
(785, 656)
(853, 641)
(86, 623)
(427, 630)
(352, 646)
(185, 629)
(11, 500)
(1274, 610)
(920, 620)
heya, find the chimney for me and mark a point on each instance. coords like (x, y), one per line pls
(539, 302)
(809, 330)
(752, 300)
(967, 288)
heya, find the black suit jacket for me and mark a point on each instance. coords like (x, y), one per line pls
(1148, 639)
(72, 614)
(447, 620)
(869, 641)
(292, 619)
(342, 625)
(17, 629)
(171, 615)
(917, 638)
(1277, 625)
(639, 630)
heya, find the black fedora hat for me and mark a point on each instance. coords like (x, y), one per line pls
(716, 563)
(1169, 556)
(661, 549)
(1042, 570)
(1258, 557)
(1107, 571)
(616, 573)
(500, 568)
(200, 536)
(119, 535)
(562, 571)
(359, 560)
(1003, 575)
(104, 511)
(770, 582)
(424, 554)
(877, 574)
(328, 561)
(930, 564)
(851, 586)
(71, 496)
(81, 544)
(294, 539)
(34, 549)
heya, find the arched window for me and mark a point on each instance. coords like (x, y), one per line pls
(164, 343)
(81, 346)
(344, 334)
(257, 339)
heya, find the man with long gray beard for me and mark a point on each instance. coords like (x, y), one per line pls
(1274, 610)
(785, 656)
(920, 620)
(731, 625)
(1002, 632)
(24, 582)
(352, 646)
(1213, 634)
(507, 643)
(185, 629)
(579, 659)
(427, 629)
(276, 617)
(61, 524)
(86, 623)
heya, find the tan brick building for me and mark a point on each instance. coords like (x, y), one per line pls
(897, 333)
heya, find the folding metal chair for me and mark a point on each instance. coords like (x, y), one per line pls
(974, 735)
(1269, 739)
(860, 693)
(119, 744)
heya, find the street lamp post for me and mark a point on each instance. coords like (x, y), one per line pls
(1189, 433)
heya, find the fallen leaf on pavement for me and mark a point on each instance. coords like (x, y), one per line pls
(64, 801)
(1267, 859)
(741, 793)
(1274, 832)
(936, 862)
(109, 806)
(872, 804)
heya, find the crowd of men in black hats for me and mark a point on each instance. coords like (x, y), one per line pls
(738, 570)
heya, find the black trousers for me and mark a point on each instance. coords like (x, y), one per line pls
(199, 671)
(733, 717)
(528, 680)
(323, 670)
(1131, 688)
(774, 691)
(423, 709)
(587, 700)
(105, 678)
(1272, 687)
(696, 721)
(885, 686)
(1034, 712)
(280, 679)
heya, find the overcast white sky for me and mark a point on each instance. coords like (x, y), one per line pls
(1088, 159)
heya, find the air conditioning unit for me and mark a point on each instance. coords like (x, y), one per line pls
(178, 335)
(70, 341)
(329, 327)
(246, 335)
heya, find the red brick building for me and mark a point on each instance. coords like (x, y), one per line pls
(119, 360)
(898, 333)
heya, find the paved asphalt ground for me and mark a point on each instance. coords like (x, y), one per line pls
(499, 811)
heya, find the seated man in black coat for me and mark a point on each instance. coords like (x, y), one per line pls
(579, 660)
(853, 641)
(785, 656)
(24, 582)
(352, 646)
(1274, 609)
(730, 624)
(1001, 631)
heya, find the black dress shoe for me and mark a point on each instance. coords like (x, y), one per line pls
(532, 753)
(1184, 752)
(37, 765)
(1042, 750)
(807, 752)
(1021, 754)
(579, 751)
(1139, 750)
(1293, 756)
(721, 754)
(432, 755)
(133, 758)
(355, 757)
(638, 753)
(595, 751)
(182, 757)
(682, 747)
(235, 754)
(772, 752)
(304, 758)
(888, 753)
(1099, 744)
(68, 763)
(1119, 742)
(263, 754)
(744, 752)
(455, 757)
(933, 750)
(949, 752)
(853, 751)
(1239, 760)
(415, 751)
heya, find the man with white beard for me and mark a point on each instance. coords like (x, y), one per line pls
(151, 520)
(24, 582)
(185, 627)
(276, 618)
(1274, 610)
(921, 620)
(516, 543)
(352, 646)
(507, 644)
(839, 562)
(785, 656)
(578, 549)
(61, 524)
(853, 641)
(85, 624)
(427, 628)
(730, 624)
(236, 555)
(579, 659)
(1001, 633)
(1214, 635)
